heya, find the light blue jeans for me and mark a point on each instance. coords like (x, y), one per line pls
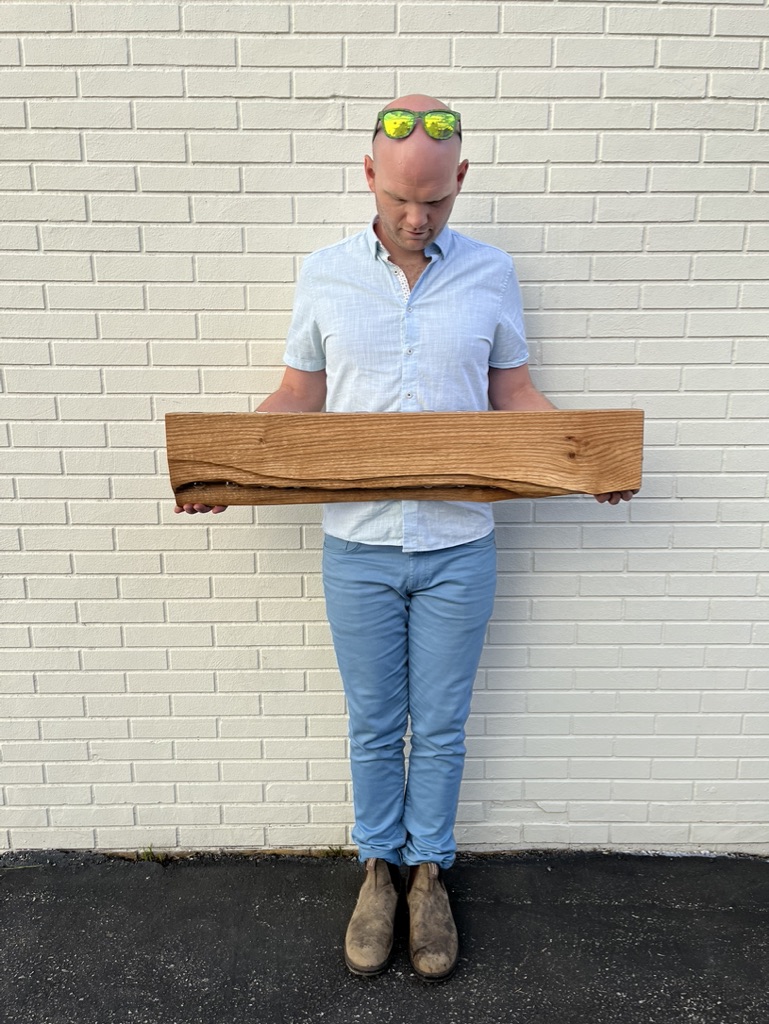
(408, 630)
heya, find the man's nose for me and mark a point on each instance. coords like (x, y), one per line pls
(416, 215)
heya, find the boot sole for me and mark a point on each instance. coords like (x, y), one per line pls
(367, 972)
(432, 978)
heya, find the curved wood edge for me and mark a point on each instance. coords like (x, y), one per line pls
(235, 494)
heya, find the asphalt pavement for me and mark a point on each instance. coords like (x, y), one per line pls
(546, 938)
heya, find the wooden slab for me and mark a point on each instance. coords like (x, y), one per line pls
(296, 458)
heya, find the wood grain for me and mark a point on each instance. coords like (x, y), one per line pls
(296, 458)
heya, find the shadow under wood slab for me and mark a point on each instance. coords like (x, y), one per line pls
(298, 458)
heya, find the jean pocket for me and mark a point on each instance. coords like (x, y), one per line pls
(336, 544)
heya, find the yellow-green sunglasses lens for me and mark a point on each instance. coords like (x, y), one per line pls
(398, 124)
(439, 125)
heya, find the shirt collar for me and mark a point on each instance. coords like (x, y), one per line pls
(439, 247)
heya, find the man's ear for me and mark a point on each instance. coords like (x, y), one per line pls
(461, 173)
(368, 167)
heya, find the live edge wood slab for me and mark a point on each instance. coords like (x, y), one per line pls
(298, 458)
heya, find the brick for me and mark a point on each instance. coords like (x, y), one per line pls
(27, 409)
(22, 297)
(9, 52)
(221, 837)
(467, 84)
(35, 17)
(36, 207)
(700, 179)
(689, 296)
(58, 325)
(695, 237)
(245, 84)
(705, 115)
(84, 179)
(186, 114)
(144, 146)
(294, 115)
(621, 84)
(725, 147)
(184, 51)
(143, 268)
(73, 296)
(544, 19)
(80, 114)
(553, 147)
(603, 115)
(605, 179)
(26, 84)
(291, 238)
(589, 238)
(604, 53)
(89, 239)
(76, 50)
(131, 83)
(740, 208)
(134, 17)
(621, 267)
(242, 210)
(192, 239)
(550, 83)
(196, 297)
(12, 115)
(744, 322)
(663, 148)
(482, 52)
(145, 208)
(294, 52)
(241, 148)
(656, 21)
(40, 145)
(738, 85)
(15, 177)
(742, 23)
(347, 18)
(715, 53)
(267, 17)
(356, 84)
(190, 179)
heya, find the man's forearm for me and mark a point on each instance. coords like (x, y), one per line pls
(523, 400)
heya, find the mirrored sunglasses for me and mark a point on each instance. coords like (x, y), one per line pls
(399, 124)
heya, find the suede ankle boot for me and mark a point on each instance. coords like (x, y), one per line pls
(433, 941)
(369, 939)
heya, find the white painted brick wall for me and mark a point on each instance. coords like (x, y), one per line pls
(163, 169)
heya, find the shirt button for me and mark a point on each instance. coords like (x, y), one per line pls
(409, 395)
(409, 309)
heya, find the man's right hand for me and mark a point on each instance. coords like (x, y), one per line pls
(192, 509)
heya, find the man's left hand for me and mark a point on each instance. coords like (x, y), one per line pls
(615, 497)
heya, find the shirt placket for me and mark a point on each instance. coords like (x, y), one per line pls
(409, 397)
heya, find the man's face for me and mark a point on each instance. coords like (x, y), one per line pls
(415, 182)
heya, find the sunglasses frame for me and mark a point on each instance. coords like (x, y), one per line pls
(418, 115)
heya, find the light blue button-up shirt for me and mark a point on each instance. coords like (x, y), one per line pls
(387, 350)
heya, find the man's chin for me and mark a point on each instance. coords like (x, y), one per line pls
(415, 241)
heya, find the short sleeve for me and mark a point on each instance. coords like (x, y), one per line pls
(304, 343)
(509, 348)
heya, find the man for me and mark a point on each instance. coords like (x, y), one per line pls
(407, 315)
